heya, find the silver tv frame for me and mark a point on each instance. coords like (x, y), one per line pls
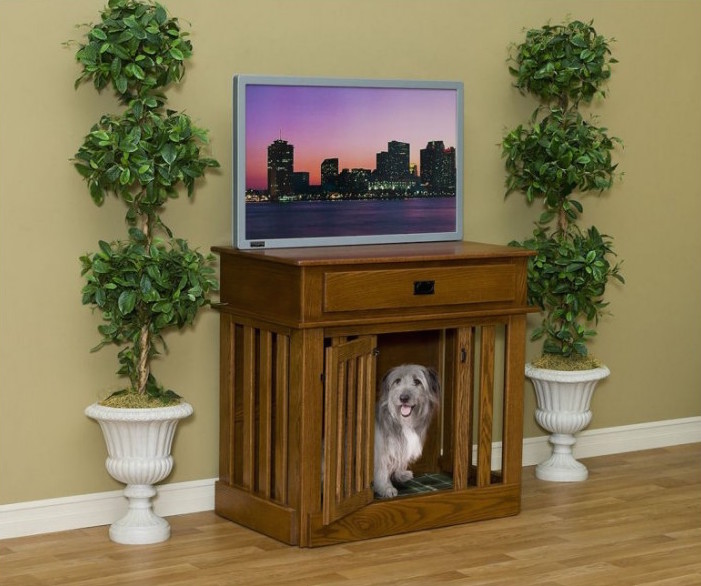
(241, 85)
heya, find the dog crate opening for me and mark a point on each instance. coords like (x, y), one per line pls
(368, 435)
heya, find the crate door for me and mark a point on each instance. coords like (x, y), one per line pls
(349, 407)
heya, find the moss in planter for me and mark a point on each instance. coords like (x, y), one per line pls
(135, 401)
(574, 362)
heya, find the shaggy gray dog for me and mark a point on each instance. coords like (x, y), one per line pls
(409, 396)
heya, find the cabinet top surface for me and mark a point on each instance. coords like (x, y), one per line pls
(378, 253)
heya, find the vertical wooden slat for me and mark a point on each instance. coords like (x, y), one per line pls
(249, 409)
(512, 454)
(366, 452)
(462, 392)
(371, 378)
(349, 443)
(340, 392)
(265, 380)
(306, 410)
(227, 389)
(486, 415)
(237, 406)
(449, 358)
(282, 360)
(360, 428)
(330, 493)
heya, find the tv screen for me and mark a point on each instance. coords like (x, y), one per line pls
(324, 161)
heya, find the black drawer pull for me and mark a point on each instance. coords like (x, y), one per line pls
(424, 287)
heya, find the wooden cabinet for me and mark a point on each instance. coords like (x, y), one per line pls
(306, 335)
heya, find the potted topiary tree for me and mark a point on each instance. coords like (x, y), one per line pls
(149, 282)
(559, 155)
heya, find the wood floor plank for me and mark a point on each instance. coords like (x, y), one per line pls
(635, 522)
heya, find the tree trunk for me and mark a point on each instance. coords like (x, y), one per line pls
(562, 221)
(143, 366)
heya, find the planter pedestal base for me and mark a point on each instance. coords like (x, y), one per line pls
(562, 466)
(140, 525)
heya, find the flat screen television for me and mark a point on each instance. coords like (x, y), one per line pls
(326, 161)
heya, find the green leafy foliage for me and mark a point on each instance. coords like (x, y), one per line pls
(557, 155)
(555, 158)
(567, 279)
(562, 62)
(163, 286)
(136, 48)
(142, 156)
(146, 284)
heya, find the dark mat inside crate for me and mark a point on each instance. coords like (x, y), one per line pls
(426, 483)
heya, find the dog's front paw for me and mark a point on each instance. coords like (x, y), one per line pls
(387, 492)
(403, 476)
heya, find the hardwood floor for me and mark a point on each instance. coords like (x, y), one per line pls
(636, 521)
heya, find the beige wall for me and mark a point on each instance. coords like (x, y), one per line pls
(48, 448)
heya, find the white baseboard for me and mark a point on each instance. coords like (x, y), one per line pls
(90, 510)
(613, 440)
(77, 512)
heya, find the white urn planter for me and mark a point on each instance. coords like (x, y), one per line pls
(563, 398)
(138, 447)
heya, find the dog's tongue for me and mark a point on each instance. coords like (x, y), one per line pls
(406, 410)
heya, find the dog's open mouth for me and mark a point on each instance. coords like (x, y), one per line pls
(406, 410)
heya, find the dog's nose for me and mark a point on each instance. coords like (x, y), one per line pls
(404, 398)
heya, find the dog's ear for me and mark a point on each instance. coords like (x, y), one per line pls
(384, 385)
(432, 378)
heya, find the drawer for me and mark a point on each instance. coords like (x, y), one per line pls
(418, 287)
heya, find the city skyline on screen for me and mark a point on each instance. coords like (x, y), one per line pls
(352, 124)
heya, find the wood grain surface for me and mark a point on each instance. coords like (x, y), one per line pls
(635, 522)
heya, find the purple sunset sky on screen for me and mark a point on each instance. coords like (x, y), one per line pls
(352, 124)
